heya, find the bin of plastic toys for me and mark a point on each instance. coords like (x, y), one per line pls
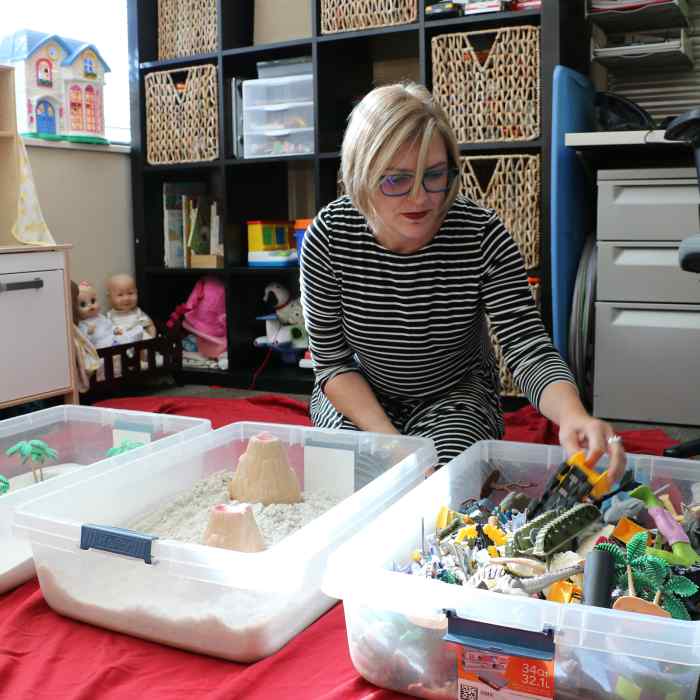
(397, 622)
(237, 605)
(69, 439)
(300, 226)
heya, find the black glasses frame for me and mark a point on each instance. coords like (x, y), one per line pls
(452, 173)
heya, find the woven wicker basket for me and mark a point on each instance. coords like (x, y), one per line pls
(351, 15)
(508, 385)
(186, 27)
(182, 119)
(514, 192)
(494, 94)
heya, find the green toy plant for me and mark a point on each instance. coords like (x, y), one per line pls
(123, 446)
(4, 484)
(652, 576)
(36, 451)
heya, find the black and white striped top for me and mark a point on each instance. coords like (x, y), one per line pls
(414, 323)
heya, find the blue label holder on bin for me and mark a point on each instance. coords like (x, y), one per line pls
(499, 640)
(117, 540)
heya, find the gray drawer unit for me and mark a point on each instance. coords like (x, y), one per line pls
(648, 205)
(646, 272)
(647, 362)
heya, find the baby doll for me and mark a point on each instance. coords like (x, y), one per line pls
(130, 323)
(96, 326)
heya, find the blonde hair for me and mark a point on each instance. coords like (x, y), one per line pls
(385, 120)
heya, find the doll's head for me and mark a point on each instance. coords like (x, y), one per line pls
(121, 292)
(88, 306)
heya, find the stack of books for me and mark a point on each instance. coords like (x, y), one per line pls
(191, 227)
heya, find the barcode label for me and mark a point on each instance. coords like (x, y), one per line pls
(467, 692)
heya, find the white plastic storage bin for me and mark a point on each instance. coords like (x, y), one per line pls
(81, 436)
(288, 115)
(270, 91)
(235, 605)
(278, 116)
(396, 622)
(278, 142)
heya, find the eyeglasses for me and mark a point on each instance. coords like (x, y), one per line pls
(436, 180)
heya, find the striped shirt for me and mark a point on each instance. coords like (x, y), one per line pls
(414, 324)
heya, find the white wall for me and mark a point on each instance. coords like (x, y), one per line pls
(85, 196)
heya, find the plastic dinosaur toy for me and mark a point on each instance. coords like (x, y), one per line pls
(568, 525)
(681, 554)
(535, 584)
(523, 541)
(572, 483)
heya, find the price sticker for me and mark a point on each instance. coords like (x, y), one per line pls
(488, 676)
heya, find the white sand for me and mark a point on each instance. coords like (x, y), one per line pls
(185, 518)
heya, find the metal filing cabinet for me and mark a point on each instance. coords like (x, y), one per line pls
(647, 343)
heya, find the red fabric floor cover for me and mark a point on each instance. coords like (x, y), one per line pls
(46, 656)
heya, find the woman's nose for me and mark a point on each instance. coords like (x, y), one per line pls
(420, 195)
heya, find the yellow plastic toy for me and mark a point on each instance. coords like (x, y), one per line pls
(270, 244)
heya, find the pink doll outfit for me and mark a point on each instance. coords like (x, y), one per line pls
(205, 316)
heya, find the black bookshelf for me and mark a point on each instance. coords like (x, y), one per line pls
(258, 188)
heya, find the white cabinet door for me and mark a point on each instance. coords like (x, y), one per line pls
(34, 356)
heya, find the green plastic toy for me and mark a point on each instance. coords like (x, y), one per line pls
(651, 575)
(681, 554)
(4, 484)
(35, 451)
(124, 446)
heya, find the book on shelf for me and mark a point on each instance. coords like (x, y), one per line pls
(216, 244)
(199, 238)
(200, 250)
(176, 215)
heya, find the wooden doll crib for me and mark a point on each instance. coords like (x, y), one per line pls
(128, 368)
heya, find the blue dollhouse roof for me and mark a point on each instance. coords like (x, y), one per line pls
(24, 42)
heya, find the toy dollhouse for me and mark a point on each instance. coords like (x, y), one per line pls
(59, 86)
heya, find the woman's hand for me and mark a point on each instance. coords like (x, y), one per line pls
(582, 431)
(578, 430)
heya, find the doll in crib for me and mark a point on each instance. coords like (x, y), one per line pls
(96, 326)
(130, 322)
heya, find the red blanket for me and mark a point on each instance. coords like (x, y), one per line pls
(45, 656)
(524, 425)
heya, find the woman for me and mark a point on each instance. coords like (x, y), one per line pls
(397, 279)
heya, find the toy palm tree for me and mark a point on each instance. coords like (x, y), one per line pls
(4, 484)
(123, 446)
(34, 451)
(649, 580)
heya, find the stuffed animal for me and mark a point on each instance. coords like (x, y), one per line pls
(287, 310)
